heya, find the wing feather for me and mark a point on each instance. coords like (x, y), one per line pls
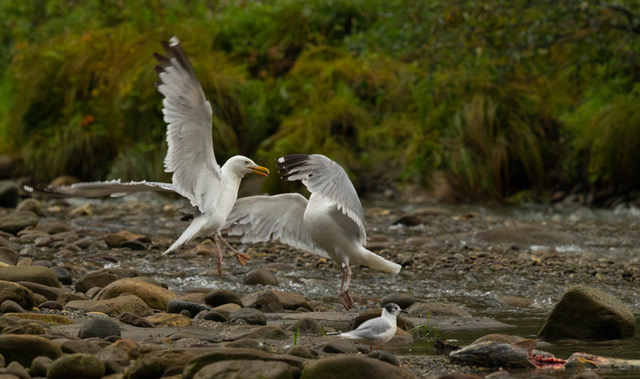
(271, 218)
(188, 114)
(113, 188)
(325, 177)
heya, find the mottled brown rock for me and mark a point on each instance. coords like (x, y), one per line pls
(33, 274)
(23, 348)
(155, 296)
(353, 366)
(15, 292)
(588, 313)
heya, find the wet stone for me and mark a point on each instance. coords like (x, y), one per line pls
(588, 313)
(63, 275)
(135, 320)
(40, 365)
(15, 369)
(260, 276)
(28, 273)
(245, 343)
(134, 245)
(340, 346)
(306, 326)
(15, 222)
(214, 316)
(100, 328)
(177, 306)
(114, 359)
(270, 332)
(153, 294)
(249, 315)
(384, 356)
(76, 366)
(353, 366)
(95, 279)
(16, 293)
(247, 369)
(169, 319)
(404, 300)
(8, 256)
(80, 346)
(9, 194)
(10, 306)
(24, 348)
(227, 309)
(25, 328)
(51, 304)
(51, 293)
(265, 301)
(302, 352)
(221, 297)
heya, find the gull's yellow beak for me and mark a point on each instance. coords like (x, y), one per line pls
(262, 171)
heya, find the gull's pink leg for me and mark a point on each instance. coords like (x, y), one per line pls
(241, 257)
(219, 260)
(345, 296)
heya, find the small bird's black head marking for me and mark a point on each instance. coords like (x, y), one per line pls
(393, 308)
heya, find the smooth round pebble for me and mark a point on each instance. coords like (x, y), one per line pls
(85, 366)
(260, 276)
(100, 328)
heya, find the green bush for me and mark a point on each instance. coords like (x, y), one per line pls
(503, 97)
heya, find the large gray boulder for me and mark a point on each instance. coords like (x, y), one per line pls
(24, 348)
(9, 191)
(33, 274)
(15, 292)
(353, 366)
(588, 313)
(15, 222)
(246, 369)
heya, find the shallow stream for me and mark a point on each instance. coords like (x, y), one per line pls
(444, 270)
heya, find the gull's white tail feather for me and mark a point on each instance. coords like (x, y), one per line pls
(376, 262)
(193, 229)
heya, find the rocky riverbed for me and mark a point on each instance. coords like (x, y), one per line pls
(84, 286)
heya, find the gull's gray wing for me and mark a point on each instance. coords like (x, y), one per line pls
(196, 174)
(270, 218)
(113, 188)
(371, 328)
(325, 177)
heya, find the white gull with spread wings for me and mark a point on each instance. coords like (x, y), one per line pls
(329, 224)
(196, 174)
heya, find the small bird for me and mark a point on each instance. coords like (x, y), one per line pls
(330, 224)
(376, 331)
(211, 189)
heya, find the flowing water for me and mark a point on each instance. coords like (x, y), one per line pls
(607, 236)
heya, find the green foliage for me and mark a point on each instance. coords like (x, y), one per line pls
(425, 332)
(607, 127)
(295, 336)
(505, 97)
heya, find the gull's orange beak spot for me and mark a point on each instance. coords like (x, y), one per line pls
(262, 171)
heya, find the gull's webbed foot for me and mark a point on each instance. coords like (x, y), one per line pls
(347, 300)
(242, 257)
